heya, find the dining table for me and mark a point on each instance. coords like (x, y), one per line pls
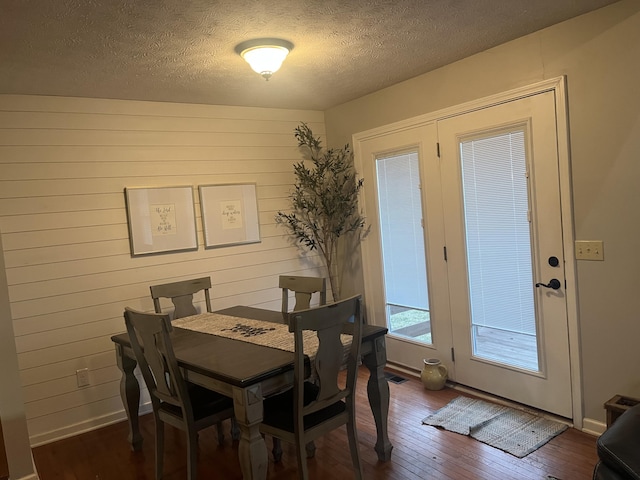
(243, 365)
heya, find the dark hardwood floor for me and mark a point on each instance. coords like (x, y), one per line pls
(420, 451)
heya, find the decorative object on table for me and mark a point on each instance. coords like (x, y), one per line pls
(161, 219)
(514, 431)
(268, 334)
(434, 374)
(248, 331)
(324, 203)
(229, 214)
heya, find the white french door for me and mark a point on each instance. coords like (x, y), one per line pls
(503, 226)
(453, 274)
(405, 246)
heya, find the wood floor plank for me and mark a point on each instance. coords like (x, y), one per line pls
(420, 451)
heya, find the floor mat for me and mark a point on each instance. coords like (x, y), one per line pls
(514, 431)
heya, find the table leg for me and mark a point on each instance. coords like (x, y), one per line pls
(378, 392)
(252, 451)
(130, 393)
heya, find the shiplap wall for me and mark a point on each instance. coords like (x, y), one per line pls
(64, 164)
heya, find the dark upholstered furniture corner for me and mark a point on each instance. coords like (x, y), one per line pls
(619, 448)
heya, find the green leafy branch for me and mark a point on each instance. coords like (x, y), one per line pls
(324, 202)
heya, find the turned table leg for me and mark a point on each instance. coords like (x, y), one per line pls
(252, 450)
(378, 392)
(130, 393)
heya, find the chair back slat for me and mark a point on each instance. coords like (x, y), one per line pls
(303, 288)
(181, 295)
(328, 362)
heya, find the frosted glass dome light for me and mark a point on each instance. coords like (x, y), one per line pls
(264, 55)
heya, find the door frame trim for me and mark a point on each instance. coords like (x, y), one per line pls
(558, 86)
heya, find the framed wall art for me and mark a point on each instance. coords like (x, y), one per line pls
(161, 219)
(229, 214)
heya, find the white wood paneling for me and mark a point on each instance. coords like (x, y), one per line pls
(144, 153)
(53, 371)
(45, 187)
(68, 384)
(64, 165)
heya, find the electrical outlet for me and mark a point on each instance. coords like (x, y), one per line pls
(589, 250)
(82, 377)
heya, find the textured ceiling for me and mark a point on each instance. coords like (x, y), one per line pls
(183, 50)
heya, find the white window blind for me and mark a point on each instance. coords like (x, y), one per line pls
(498, 238)
(400, 213)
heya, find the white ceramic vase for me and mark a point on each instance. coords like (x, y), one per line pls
(434, 374)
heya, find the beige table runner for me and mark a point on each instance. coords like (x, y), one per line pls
(268, 334)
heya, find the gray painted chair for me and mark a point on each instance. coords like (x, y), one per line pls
(185, 406)
(312, 409)
(303, 288)
(181, 295)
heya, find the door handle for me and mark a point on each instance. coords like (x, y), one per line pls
(554, 283)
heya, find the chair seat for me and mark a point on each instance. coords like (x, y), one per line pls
(204, 403)
(278, 409)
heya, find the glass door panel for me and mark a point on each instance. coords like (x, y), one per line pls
(403, 246)
(498, 243)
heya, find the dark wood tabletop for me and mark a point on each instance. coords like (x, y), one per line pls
(235, 362)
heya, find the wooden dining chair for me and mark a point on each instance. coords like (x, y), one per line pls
(183, 405)
(181, 295)
(303, 288)
(312, 408)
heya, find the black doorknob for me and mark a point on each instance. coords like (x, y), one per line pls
(554, 283)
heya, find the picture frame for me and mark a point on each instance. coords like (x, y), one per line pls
(161, 219)
(229, 214)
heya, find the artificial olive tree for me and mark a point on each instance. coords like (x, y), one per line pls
(324, 202)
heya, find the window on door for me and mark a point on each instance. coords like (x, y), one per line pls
(498, 243)
(403, 246)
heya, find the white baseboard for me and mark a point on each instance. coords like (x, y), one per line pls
(593, 427)
(404, 369)
(31, 476)
(82, 427)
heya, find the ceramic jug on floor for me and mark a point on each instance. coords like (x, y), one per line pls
(434, 374)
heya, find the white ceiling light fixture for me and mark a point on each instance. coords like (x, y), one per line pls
(264, 55)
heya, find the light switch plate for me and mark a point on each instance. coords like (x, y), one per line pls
(589, 250)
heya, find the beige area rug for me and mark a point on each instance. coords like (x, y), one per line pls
(514, 431)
